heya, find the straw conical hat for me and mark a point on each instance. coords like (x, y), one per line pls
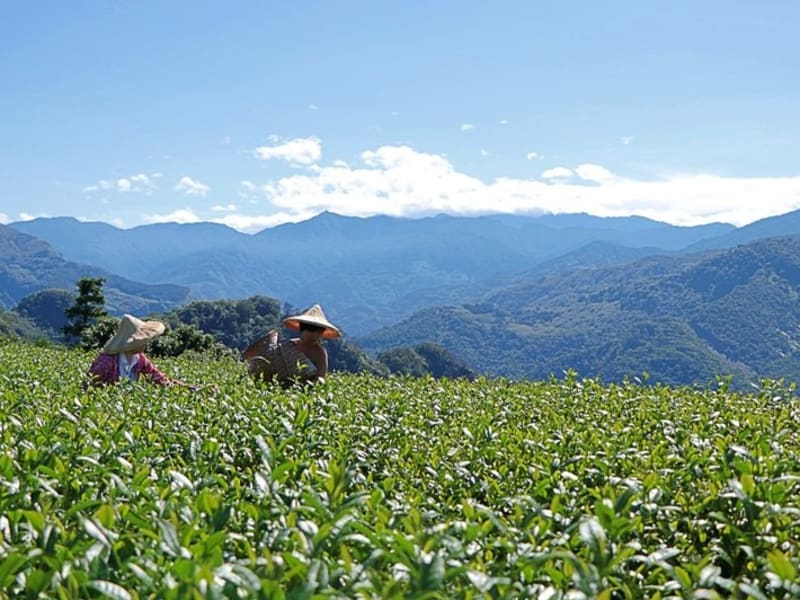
(313, 316)
(131, 332)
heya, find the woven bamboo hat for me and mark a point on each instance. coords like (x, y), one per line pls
(132, 332)
(313, 316)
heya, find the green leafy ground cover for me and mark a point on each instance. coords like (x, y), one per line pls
(390, 488)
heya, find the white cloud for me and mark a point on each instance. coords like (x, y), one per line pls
(533, 155)
(313, 107)
(144, 184)
(557, 173)
(299, 151)
(484, 152)
(398, 180)
(191, 187)
(594, 173)
(248, 191)
(139, 183)
(503, 122)
(103, 184)
(4, 218)
(467, 127)
(183, 215)
(224, 208)
(626, 139)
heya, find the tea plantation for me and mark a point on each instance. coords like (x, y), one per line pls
(391, 488)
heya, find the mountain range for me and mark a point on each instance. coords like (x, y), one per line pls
(516, 296)
(368, 272)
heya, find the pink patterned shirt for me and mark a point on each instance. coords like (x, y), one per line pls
(105, 370)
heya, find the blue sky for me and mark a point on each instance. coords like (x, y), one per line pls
(257, 113)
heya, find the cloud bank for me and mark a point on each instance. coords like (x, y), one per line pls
(400, 181)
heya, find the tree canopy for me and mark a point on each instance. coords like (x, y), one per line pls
(88, 306)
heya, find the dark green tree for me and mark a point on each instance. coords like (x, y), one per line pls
(234, 323)
(442, 363)
(347, 357)
(185, 338)
(89, 306)
(404, 361)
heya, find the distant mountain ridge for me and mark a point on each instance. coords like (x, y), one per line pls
(368, 272)
(28, 265)
(123, 251)
(780, 225)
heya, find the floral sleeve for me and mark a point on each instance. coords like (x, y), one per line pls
(104, 370)
(149, 369)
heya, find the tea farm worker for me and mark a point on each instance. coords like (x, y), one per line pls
(313, 326)
(123, 356)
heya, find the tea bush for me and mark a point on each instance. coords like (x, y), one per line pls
(394, 487)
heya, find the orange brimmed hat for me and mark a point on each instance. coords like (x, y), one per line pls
(131, 332)
(313, 316)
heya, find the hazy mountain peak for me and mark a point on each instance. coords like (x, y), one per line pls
(57, 223)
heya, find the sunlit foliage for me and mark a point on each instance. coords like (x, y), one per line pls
(390, 487)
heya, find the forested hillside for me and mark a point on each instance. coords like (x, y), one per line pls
(777, 226)
(681, 320)
(13, 325)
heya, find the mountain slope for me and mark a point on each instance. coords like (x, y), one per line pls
(13, 325)
(780, 225)
(681, 319)
(28, 265)
(128, 252)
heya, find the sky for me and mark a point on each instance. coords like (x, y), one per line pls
(256, 113)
